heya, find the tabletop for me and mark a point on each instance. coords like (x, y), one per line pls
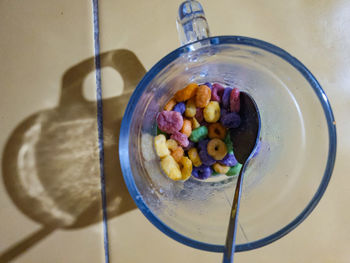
(51, 111)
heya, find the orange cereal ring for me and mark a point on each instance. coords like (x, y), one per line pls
(186, 128)
(216, 130)
(221, 169)
(191, 109)
(217, 149)
(203, 96)
(170, 105)
(186, 93)
(177, 154)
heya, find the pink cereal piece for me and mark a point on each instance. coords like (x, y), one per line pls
(199, 115)
(169, 121)
(180, 138)
(235, 104)
(217, 92)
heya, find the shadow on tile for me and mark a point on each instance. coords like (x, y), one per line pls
(51, 160)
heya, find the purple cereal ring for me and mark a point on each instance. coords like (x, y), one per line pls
(230, 120)
(199, 115)
(209, 85)
(223, 112)
(217, 92)
(235, 103)
(169, 121)
(180, 107)
(229, 160)
(180, 138)
(226, 98)
(202, 172)
(206, 158)
(190, 145)
(202, 145)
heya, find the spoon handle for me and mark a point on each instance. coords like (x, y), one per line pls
(232, 227)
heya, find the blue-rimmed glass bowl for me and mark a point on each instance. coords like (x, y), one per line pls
(282, 184)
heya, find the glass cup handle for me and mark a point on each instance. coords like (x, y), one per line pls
(191, 22)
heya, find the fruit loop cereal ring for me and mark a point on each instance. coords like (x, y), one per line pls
(186, 93)
(190, 145)
(217, 92)
(186, 168)
(199, 134)
(208, 84)
(217, 149)
(171, 144)
(221, 169)
(206, 158)
(190, 108)
(226, 98)
(160, 145)
(193, 154)
(199, 114)
(171, 168)
(170, 105)
(231, 120)
(160, 132)
(212, 112)
(216, 130)
(234, 170)
(202, 145)
(229, 160)
(235, 104)
(228, 143)
(180, 138)
(180, 107)
(202, 172)
(186, 128)
(177, 154)
(169, 121)
(203, 96)
(195, 123)
(214, 173)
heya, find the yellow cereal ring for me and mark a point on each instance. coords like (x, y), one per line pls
(177, 153)
(171, 168)
(160, 145)
(186, 168)
(216, 130)
(186, 127)
(195, 123)
(221, 169)
(190, 108)
(203, 96)
(186, 93)
(216, 148)
(170, 105)
(212, 112)
(171, 144)
(193, 154)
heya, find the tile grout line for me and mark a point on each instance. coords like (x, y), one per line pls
(100, 124)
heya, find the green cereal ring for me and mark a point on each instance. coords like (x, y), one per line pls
(214, 173)
(199, 134)
(234, 170)
(228, 143)
(161, 132)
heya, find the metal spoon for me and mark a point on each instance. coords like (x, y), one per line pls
(245, 140)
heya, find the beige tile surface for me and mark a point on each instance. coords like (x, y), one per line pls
(50, 185)
(48, 139)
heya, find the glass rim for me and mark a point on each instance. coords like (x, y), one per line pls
(160, 65)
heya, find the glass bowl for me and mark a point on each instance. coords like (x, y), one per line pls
(282, 184)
